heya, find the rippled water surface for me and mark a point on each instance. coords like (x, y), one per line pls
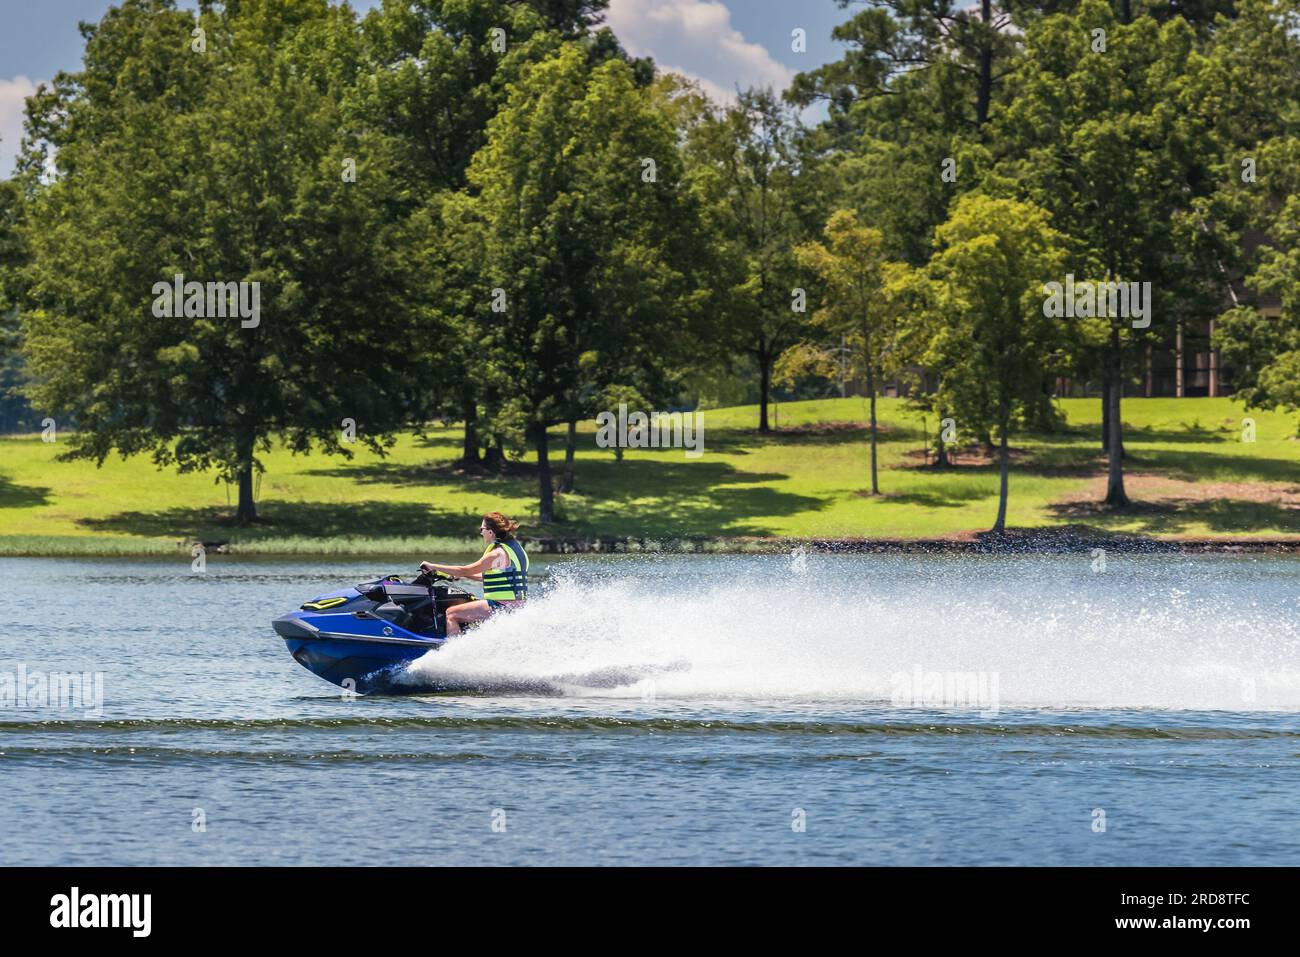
(773, 710)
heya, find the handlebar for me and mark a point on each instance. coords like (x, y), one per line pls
(427, 578)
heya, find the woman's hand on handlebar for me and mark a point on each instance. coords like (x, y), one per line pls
(430, 569)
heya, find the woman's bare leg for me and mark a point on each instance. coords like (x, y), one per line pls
(465, 613)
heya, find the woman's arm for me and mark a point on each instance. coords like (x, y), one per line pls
(474, 571)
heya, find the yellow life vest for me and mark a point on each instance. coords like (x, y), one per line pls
(509, 583)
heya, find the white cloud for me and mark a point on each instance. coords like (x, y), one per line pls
(696, 38)
(12, 94)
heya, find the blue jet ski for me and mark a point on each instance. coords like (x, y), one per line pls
(362, 638)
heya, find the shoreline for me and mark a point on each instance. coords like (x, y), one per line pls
(1044, 542)
(1017, 541)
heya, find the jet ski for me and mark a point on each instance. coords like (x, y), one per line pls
(362, 638)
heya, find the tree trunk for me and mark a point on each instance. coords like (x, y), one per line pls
(246, 511)
(469, 448)
(496, 456)
(765, 386)
(1180, 381)
(1000, 526)
(871, 391)
(1105, 409)
(1115, 495)
(985, 93)
(570, 447)
(545, 494)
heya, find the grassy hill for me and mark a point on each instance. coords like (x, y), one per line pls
(1189, 473)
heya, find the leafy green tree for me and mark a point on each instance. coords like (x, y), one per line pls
(1106, 139)
(1251, 89)
(907, 106)
(964, 50)
(435, 72)
(988, 269)
(850, 266)
(15, 413)
(221, 161)
(913, 297)
(12, 252)
(744, 164)
(1263, 350)
(588, 245)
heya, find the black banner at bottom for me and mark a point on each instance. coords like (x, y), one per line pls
(322, 905)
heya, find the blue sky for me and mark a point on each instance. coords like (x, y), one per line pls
(721, 43)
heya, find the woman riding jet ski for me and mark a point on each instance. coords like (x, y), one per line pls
(503, 569)
(363, 637)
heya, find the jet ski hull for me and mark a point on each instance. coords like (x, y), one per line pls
(357, 654)
(362, 638)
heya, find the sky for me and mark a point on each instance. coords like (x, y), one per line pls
(723, 45)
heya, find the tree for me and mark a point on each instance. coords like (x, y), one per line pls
(15, 413)
(1104, 139)
(435, 73)
(223, 165)
(965, 49)
(1264, 351)
(1253, 87)
(588, 246)
(988, 268)
(744, 163)
(850, 267)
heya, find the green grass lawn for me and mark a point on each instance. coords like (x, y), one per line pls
(1189, 473)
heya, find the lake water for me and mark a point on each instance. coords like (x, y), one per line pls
(702, 710)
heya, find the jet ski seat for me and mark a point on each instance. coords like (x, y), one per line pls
(413, 607)
(391, 611)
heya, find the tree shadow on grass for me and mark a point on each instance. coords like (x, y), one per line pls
(645, 496)
(1066, 461)
(428, 474)
(1072, 432)
(440, 441)
(725, 441)
(930, 498)
(826, 433)
(1188, 435)
(1063, 462)
(1209, 467)
(22, 496)
(684, 497)
(1178, 515)
(281, 519)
